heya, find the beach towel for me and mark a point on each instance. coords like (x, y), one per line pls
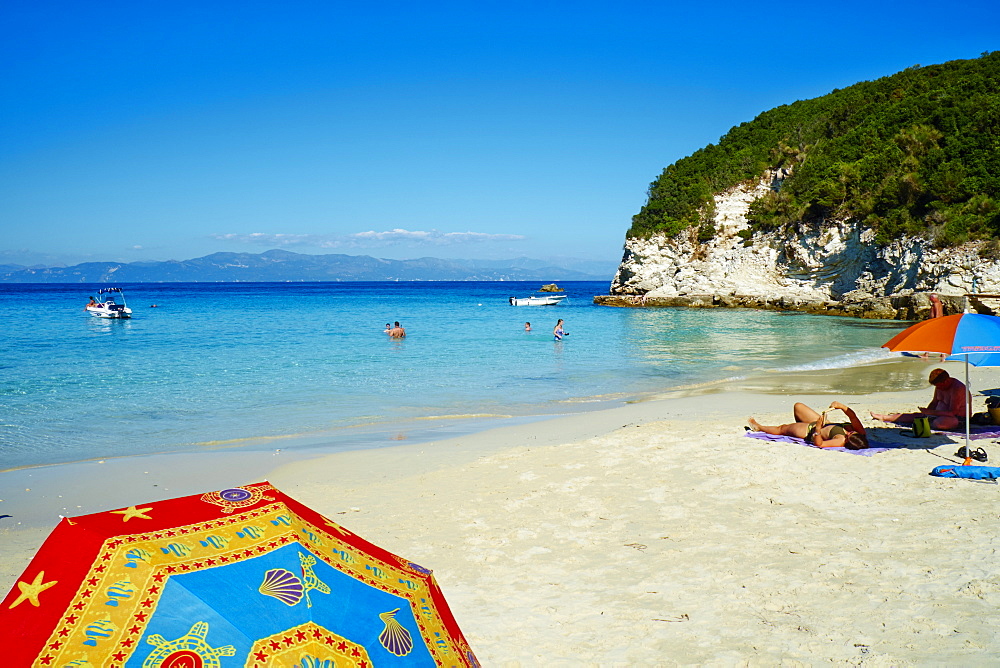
(975, 434)
(973, 472)
(867, 452)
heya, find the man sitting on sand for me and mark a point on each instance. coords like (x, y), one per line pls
(947, 407)
(811, 427)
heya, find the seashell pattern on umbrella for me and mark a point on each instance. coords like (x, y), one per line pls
(282, 585)
(394, 636)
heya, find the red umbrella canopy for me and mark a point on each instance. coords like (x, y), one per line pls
(952, 334)
(247, 573)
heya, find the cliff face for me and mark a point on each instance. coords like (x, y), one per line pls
(834, 261)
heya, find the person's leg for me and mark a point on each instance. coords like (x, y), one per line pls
(945, 423)
(798, 429)
(898, 418)
(803, 413)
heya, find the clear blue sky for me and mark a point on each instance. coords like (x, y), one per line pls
(170, 130)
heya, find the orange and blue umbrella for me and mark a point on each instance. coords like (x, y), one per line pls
(971, 337)
(961, 334)
(239, 577)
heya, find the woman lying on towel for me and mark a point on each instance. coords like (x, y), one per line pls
(812, 427)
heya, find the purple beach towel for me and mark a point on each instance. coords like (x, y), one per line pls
(976, 433)
(867, 452)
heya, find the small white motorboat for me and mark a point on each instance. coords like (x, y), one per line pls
(110, 303)
(535, 300)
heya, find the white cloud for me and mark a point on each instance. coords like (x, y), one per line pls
(369, 239)
(432, 237)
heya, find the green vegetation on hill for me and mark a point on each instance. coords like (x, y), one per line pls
(915, 153)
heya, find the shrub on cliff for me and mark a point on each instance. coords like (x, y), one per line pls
(915, 153)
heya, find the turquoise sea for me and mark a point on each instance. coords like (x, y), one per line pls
(251, 365)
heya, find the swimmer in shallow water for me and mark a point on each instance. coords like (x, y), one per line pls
(558, 332)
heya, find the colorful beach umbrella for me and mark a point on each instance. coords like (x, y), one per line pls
(976, 359)
(239, 577)
(972, 337)
(961, 334)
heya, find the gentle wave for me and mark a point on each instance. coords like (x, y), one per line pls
(845, 360)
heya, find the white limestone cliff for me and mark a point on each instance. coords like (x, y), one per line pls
(815, 262)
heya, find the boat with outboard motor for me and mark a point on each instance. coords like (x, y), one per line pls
(535, 300)
(110, 303)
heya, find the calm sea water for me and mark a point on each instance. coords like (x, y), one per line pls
(221, 364)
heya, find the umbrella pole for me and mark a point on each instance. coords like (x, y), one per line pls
(968, 415)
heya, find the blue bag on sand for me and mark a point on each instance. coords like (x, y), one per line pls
(973, 472)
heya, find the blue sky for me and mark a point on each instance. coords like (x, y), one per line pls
(151, 131)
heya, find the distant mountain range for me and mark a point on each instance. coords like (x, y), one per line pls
(280, 265)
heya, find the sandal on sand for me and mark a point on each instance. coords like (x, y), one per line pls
(978, 454)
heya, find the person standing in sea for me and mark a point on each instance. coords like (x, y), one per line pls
(558, 332)
(937, 311)
(937, 308)
(397, 332)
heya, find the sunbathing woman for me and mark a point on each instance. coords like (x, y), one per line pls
(811, 426)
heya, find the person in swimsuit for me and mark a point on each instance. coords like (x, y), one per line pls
(558, 331)
(813, 428)
(946, 409)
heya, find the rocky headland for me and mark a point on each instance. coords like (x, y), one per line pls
(830, 267)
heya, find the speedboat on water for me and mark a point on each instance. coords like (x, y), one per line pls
(535, 300)
(110, 303)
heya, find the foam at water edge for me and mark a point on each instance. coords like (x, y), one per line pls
(855, 358)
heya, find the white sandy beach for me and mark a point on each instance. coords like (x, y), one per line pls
(650, 534)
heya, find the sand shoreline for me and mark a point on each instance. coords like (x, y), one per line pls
(654, 533)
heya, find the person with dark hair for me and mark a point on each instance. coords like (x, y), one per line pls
(947, 407)
(558, 332)
(813, 428)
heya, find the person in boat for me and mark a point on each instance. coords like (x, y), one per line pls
(91, 303)
(397, 332)
(947, 406)
(558, 332)
(812, 427)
